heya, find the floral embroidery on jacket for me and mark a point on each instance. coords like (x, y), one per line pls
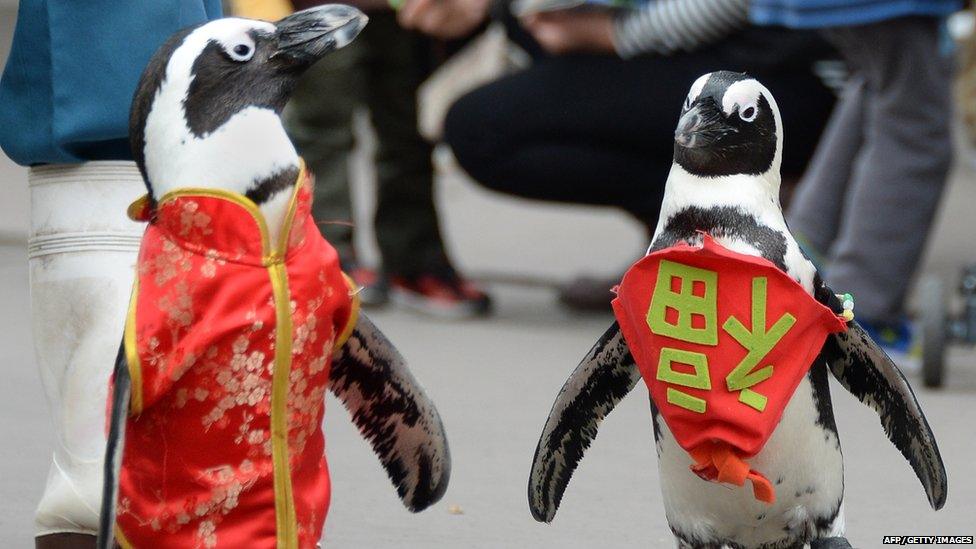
(199, 463)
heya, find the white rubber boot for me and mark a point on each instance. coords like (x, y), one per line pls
(82, 252)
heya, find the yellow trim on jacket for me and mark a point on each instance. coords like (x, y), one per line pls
(132, 352)
(121, 540)
(353, 314)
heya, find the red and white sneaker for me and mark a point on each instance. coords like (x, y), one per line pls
(444, 295)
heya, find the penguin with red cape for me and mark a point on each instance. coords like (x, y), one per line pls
(733, 332)
(241, 319)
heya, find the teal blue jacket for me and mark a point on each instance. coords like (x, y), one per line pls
(72, 70)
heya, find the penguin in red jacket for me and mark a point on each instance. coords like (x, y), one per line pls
(733, 332)
(240, 318)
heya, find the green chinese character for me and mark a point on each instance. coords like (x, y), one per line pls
(697, 380)
(758, 342)
(685, 303)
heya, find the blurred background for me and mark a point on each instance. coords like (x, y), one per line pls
(495, 372)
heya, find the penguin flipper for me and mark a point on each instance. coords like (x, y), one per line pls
(121, 391)
(393, 414)
(864, 369)
(604, 377)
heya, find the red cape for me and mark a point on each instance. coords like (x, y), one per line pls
(722, 340)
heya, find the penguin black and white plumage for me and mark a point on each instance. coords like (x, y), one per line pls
(725, 181)
(206, 116)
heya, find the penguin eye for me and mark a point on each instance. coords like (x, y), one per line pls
(748, 113)
(241, 52)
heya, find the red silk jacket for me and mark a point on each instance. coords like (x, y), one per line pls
(722, 340)
(229, 339)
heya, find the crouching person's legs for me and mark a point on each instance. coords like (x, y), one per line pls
(82, 252)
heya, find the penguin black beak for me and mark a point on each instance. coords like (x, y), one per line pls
(305, 36)
(702, 125)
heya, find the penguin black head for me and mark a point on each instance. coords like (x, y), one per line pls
(206, 110)
(729, 125)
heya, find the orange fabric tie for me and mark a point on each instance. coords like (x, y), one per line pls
(717, 461)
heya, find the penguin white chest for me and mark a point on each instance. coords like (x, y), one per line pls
(801, 458)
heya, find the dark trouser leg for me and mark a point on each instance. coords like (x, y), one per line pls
(562, 130)
(902, 166)
(319, 120)
(406, 224)
(818, 205)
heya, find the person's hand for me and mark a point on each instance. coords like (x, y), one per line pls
(444, 19)
(568, 31)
